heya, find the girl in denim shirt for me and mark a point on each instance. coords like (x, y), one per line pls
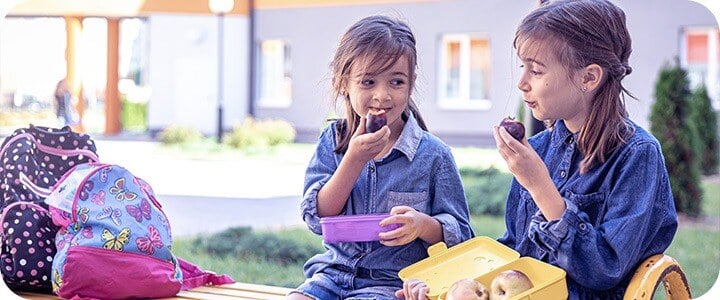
(591, 193)
(401, 169)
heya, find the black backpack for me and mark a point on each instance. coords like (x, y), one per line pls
(32, 160)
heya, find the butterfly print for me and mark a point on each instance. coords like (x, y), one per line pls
(83, 214)
(99, 198)
(104, 174)
(143, 185)
(86, 232)
(113, 214)
(139, 211)
(85, 191)
(115, 242)
(149, 242)
(119, 191)
(57, 281)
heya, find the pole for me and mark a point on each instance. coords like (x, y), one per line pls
(221, 37)
(251, 58)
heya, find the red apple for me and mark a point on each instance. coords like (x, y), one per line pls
(514, 127)
(467, 289)
(375, 121)
(508, 284)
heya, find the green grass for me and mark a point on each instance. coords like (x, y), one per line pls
(711, 200)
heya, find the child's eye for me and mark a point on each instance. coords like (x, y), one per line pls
(397, 82)
(367, 82)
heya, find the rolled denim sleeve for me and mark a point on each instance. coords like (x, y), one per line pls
(321, 167)
(601, 256)
(450, 205)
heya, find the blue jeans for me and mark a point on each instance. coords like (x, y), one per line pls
(334, 283)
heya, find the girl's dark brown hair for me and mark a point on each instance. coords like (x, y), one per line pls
(584, 32)
(383, 40)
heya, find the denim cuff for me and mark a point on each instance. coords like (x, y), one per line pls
(450, 229)
(549, 234)
(310, 209)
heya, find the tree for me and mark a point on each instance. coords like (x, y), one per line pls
(669, 122)
(705, 120)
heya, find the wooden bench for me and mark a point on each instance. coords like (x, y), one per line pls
(220, 292)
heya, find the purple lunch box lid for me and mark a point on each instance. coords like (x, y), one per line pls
(350, 218)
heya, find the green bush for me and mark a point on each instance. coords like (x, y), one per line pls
(670, 123)
(133, 115)
(486, 189)
(260, 134)
(179, 134)
(705, 120)
(268, 246)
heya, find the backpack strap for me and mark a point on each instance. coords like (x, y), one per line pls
(47, 149)
(194, 277)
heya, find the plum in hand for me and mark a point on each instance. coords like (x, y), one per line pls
(375, 121)
(513, 127)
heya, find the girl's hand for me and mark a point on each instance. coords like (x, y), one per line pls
(365, 146)
(413, 289)
(522, 160)
(412, 224)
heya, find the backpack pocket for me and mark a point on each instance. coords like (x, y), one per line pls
(111, 273)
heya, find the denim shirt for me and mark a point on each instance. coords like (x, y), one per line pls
(618, 213)
(419, 172)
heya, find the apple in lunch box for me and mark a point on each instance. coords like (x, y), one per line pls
(513, 127)
(375, 120)
(467, 289)
(509, 284)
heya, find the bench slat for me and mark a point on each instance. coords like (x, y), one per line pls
(233, 291)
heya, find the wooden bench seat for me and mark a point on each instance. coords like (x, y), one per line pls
(220, 292)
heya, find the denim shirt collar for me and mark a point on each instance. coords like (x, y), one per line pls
(409, 139)
(560, 134)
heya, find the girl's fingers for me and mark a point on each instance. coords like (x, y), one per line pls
(361, 127)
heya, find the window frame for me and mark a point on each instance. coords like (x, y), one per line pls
(464, 100)
(266, 101)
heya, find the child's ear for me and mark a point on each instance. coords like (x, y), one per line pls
(592, 77)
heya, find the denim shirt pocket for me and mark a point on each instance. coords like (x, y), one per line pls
(591, 204)
(417, 200)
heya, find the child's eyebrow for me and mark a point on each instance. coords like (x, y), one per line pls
(531, 60)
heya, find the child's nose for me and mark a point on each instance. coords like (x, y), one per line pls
(382, 93)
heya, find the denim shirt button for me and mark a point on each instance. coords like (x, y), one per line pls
(562, 174)
(583, 227)
(372, 168)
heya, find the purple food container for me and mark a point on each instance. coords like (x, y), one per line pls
(354, 228)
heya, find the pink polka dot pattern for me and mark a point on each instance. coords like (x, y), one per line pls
(32, 160)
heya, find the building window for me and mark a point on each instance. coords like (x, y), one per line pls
(701, 56)
(464, 72)
(275, 75)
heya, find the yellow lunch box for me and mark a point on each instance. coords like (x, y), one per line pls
(481, 258)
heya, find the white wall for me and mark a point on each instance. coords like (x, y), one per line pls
(184, 71)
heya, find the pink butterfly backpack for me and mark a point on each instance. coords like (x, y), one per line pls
(114, 239)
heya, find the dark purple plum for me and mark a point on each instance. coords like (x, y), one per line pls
(514, 127)
(375, 121)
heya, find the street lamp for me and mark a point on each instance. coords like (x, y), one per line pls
(220, 8)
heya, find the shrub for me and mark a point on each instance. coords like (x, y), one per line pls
(179, 134)
(269, 246)
(261, 134)
(705, 120)
(133, 115)
(669, 121)
(486, 190)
